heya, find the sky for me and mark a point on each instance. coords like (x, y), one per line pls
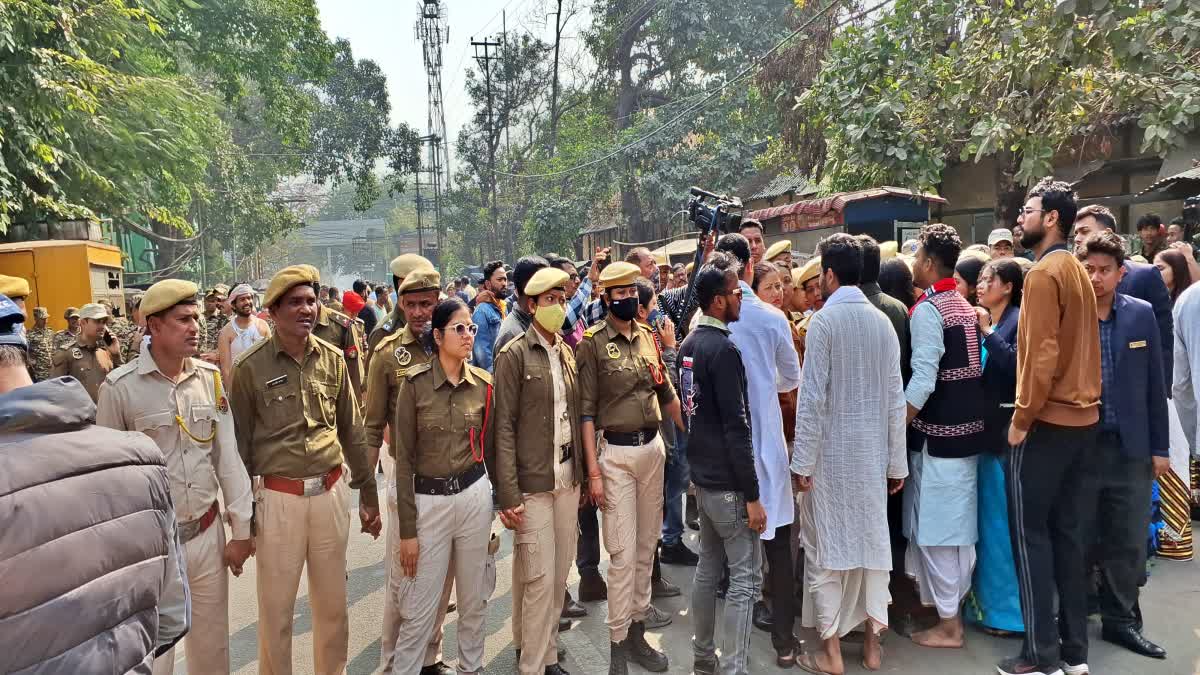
(383, 31)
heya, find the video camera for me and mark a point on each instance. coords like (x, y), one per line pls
(715, 216)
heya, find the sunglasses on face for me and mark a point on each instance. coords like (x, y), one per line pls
(462, 329)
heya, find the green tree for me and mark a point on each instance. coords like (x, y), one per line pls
(933, 81)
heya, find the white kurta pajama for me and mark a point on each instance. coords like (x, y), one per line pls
(850, 438)
(764, 338)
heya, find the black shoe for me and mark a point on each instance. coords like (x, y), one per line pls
(1018, 666)
(762, 617)
(592, 587)
(706, 665)
(618, 657)
(562, 656)
(677, 554)
(438, 668)
(641, 652)
(564, 624)
(691, 514)
(572, 609)
(556, 669)
(662, 588)
(1131, 639)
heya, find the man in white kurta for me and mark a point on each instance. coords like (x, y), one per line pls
(764, 338)
(849, 453)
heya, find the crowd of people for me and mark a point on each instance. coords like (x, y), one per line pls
(913, 435)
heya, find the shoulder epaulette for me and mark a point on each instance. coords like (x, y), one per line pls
(321, 342)
(385, 340)
(340, 319)
(481, 373)
(252, 349)
(418, 369)
(121, 371)
(595, 329)
(205, 365)
(508, 345)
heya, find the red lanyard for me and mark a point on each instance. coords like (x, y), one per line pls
(487, 411)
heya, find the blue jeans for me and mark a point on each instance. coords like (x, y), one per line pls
(725, 536)
(675, 482)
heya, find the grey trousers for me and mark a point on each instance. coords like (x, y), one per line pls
(725, 537)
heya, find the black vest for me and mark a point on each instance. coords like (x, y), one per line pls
(952, 419)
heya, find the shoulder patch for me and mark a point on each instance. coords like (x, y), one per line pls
(595, 329)
(418, 369)
(339, 318)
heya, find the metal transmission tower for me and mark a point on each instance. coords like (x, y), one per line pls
(433, 32)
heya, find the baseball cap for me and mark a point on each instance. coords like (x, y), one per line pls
(1000, 234)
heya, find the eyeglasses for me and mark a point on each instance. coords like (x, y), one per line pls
(1027, 210)
(736, 291)
(461, 329)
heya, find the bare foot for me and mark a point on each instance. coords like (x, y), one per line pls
(872, 651)
(945, 635)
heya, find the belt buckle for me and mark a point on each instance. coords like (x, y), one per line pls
(314, 486)
(452, 485)
(641, 437)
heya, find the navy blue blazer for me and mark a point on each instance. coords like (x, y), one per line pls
(1145, 282)
(1000, 379)
(1141, 396)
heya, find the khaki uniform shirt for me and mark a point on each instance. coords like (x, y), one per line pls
(535, 386)
(394, 322)
(64, 338)
(190, 421)
(622, 382)
(440, 430)
(342, 332)
(89, 365)
(41, 352)
(397, 354)
(299, 419)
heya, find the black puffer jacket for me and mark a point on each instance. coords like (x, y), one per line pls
(90, 568)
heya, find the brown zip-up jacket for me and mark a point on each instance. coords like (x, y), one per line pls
(525, 454)
(1058, 345)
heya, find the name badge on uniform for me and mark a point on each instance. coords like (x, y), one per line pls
(403, 356)
(76, 353)
(1137, 344)
(613, 352)
(276, 382)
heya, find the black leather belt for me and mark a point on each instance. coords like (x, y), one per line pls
(631, 438)
(448, 486)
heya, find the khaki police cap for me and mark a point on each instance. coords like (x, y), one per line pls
(402, 265)
(166, 294)
(13, 287)
(41, 313)
(70, 312)
(777, 249)
(619, 274)
(93, 310)
(546, 279)
(221, 289)
(288, 278)
(888, 250)
(421, 279)
(811, 270)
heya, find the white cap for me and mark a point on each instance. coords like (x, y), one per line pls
(1000, 234)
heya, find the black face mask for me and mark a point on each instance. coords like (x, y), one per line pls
(625, 310)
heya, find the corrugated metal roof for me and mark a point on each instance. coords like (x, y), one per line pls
(592, 229)
(838, 202)
(782, 185)
(1192, 174)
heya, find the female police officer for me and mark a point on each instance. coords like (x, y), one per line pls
(538, 467)
(441, 437)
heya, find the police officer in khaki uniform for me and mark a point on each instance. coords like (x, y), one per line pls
(298, 421)
(344, 333)
(539, 465)
(441, 437)
(87, 359)
(780, 252)
(401, 266)
(16, 288)
(396, 354)
(66, 337)
(623, 383)
(179, 402)
(41, 345)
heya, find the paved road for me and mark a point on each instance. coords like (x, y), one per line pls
(1171, 604)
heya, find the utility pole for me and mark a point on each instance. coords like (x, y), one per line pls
(554, 82)
(493, 137)
(420, 208)
(433, 31)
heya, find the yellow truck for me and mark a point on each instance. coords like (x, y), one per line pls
(65, 273)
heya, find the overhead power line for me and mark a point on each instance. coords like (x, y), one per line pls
(743, 74)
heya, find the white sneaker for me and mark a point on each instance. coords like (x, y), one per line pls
(1081, 669)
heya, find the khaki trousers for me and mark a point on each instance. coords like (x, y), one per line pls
(206, 644)
(391, 604)
(633, 495)
(295, 532)
(454, 530)
(545, 546)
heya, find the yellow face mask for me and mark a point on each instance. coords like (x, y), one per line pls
(551, 317)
